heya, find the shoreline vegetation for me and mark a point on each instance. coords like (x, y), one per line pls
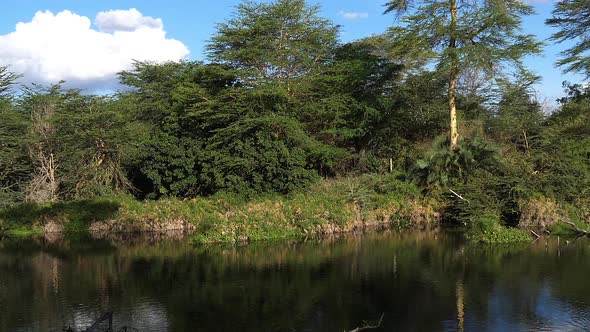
(329, 207)
(286, 132)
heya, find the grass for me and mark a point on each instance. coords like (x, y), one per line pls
(487, 228)
(329, 206)
(24, 232)
(28, 220)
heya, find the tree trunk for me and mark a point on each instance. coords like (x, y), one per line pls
(44, 184)
(453, 78)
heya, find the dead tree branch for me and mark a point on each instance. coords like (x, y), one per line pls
(368, 327)
(459, 196)
(575, 227)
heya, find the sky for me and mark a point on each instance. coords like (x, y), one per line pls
(87, 42)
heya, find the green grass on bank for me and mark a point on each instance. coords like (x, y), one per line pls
(329, 206)
(24, 232)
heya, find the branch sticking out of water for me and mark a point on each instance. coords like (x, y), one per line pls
(368, 327)
(575, 228)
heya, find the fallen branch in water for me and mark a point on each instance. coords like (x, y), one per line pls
(107, 317)
(575, 227)
(535, 234)
(367, 327)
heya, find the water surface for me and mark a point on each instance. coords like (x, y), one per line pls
(418, 282)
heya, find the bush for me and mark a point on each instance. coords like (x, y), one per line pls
(441, 166)
(487, 228)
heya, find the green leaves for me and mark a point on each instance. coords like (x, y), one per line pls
(15, 166)
(572, 18)
(443, 167)
(7, 80)
(486, 33)
(212, 137)
(275, 44)
(14, 162)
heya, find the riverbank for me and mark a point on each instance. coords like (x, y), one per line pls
(329, 207)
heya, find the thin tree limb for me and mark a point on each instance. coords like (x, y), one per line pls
(460, 197)
(575, 228)
(367, 327)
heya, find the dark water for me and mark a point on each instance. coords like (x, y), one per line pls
(419, 282)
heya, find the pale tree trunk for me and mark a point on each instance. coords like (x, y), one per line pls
(44, 184)
(454, 133)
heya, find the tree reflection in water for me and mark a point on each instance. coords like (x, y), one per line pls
(422, 281)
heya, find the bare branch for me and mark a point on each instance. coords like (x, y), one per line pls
(459, 196)
(575, 228)
(368, 327)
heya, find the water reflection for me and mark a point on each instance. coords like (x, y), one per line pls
(421, 282)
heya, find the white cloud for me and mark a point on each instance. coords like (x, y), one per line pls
(532, 2)
(125, 20)
(65, 46)
(353, 15)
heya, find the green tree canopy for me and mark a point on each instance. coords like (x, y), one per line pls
(15, 167)
(482, 34)
(572, 18)
(277, 42)
(7, 80)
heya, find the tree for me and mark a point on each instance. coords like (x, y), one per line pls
(345, 98)
(166, 95)
(572, 18)
(519, 116)
(275, 43)
(14, 161)
(96, 140)
(463, 34)
(42, 104)
(174, 101)
(574, 93)
(563, 164)
(7, 80)
(210, 133)
(78, 145)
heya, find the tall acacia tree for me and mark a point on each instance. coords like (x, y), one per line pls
(482, 34)
(572, 18)
(275, 43)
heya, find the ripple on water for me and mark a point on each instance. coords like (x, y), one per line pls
(419, 283)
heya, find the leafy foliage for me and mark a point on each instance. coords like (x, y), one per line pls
(442, 167)
(571, 17)
(486, 32)
(96, 142)
(15, 166)
(488, 230)
(276, 43)
(281, 104)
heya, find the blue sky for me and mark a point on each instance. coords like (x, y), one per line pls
(193, 22)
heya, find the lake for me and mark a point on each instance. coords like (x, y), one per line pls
(415, 281)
